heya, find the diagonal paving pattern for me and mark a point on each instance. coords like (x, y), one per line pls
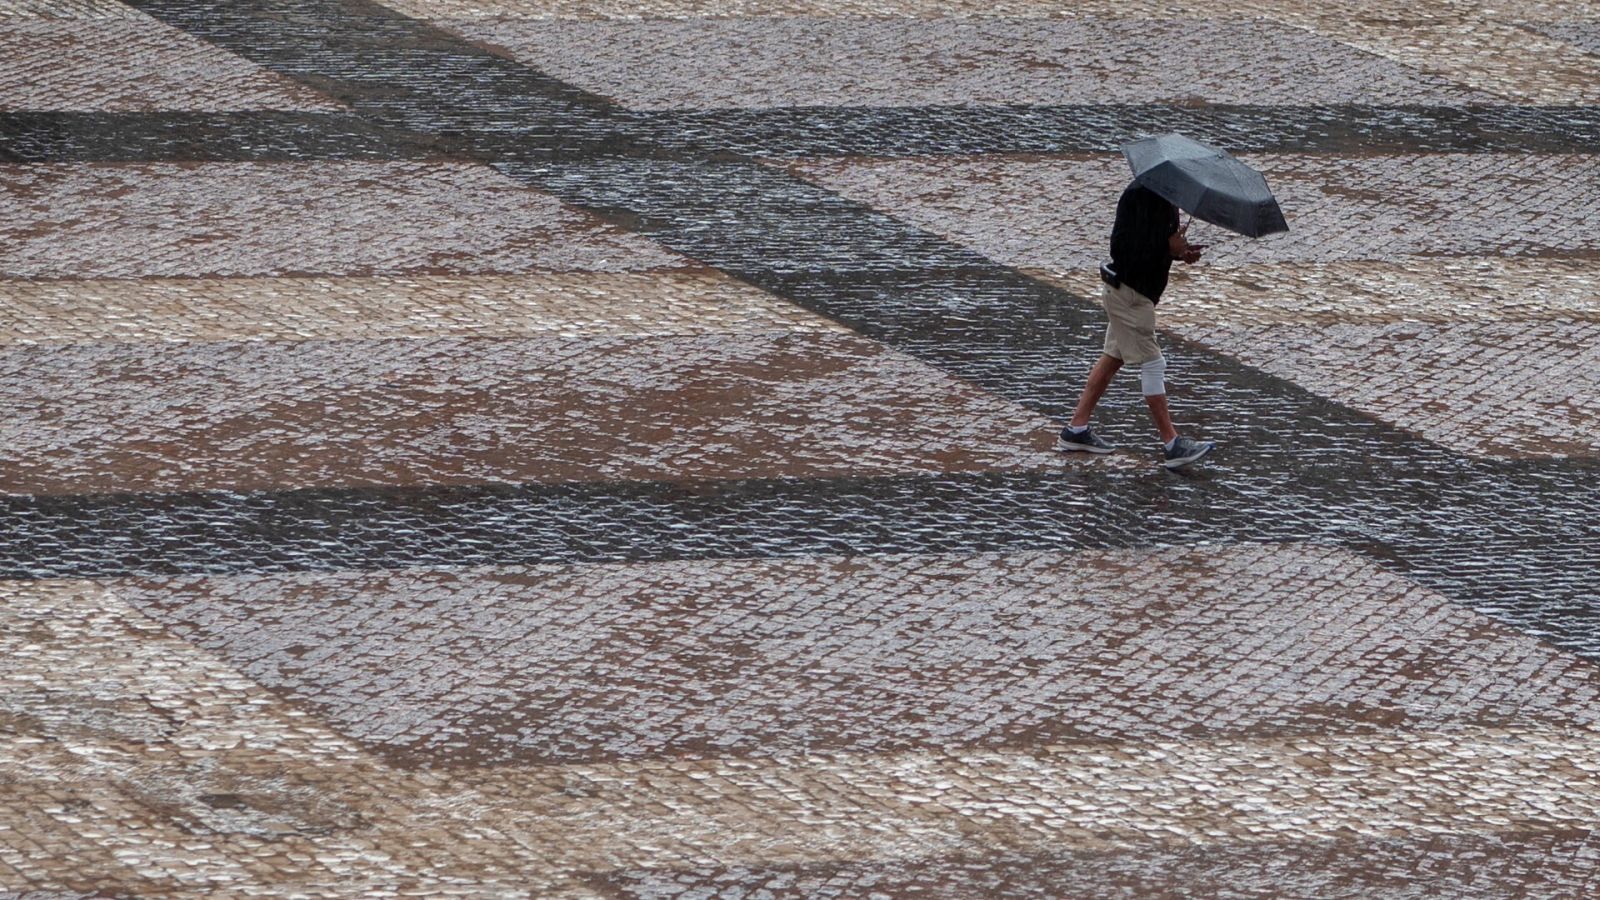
(1048, 212)
(869, 654)
(134, 723)
(123, 65)
(283, 415)
(479, 486)
(1349, 330)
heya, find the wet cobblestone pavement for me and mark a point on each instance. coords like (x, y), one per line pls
(575, 448)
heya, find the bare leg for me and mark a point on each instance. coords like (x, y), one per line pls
(1099, 378)
(1158, 411)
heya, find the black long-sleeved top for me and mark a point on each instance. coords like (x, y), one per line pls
(1139, 251)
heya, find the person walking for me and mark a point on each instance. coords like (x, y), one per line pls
(1145, 239)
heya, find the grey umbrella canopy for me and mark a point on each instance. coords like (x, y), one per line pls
(1207, 183)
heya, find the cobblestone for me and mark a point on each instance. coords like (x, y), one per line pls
(1055, 212)
(1506, 388)
(251, 416)
(830, 62)
(185, 220)
(101, 535)
(271, 799)
(868, 654)
(1555, 864)
(1441, 290)
(433, 82)
(816, 132)
(130, 761)
(923, 131)
(67, 9)
(125, 63)
(474, 486)
(674, 302)
(1159, 796)
(254, 136)
(1476, 44)
(1464, 41)
(1348, 330)
(1584, 35)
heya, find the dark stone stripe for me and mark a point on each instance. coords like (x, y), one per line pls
(97, 536)
(1545, 587)
(401, 73)
(1516, 542)
(918, 131)
(800, 133)
(55, 137)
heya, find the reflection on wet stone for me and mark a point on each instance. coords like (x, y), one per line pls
(1555, 864)
(252, 416)
(878, 654)
(553, 448)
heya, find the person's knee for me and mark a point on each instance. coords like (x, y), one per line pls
(1153, 376)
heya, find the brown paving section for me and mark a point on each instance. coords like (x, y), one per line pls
(142, 765)
(1492, 357)
(132, 764)
(158, 417)
(870, 654)
(756, 63)
(338, 218)
(380, 307)
(1558, 864)
(1152, 795)
(1056, 212)
(109, 63)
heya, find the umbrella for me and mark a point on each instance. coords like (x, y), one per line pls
(1206, 183)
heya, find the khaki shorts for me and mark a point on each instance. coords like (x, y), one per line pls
(1131, 329)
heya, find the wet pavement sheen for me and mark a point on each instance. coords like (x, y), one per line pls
(567, 448)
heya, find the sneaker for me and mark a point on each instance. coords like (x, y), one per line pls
(1085, 440)
(1185, 451)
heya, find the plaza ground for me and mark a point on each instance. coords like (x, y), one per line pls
(569, 448)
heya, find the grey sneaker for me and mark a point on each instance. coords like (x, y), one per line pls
(1185, 451)
(1087, 441)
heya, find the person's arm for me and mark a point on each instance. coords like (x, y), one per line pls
(1179, 248)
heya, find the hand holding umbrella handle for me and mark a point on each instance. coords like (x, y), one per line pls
(1178, 243)
(1179, 247)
